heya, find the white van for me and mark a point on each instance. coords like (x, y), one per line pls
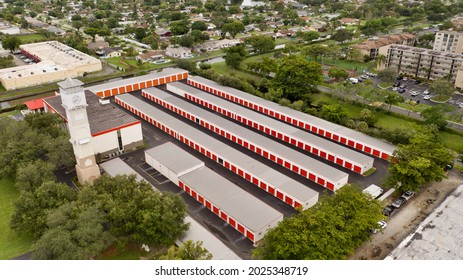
(353, 80)
(374, 191)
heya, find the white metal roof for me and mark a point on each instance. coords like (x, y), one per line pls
(116, 167)
(315, 141)
(174, 158)
(303, 161)
(135, 80)
(228, 197)
(326, 125)
(259, 170)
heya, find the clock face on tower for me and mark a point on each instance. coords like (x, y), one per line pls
(76, 100)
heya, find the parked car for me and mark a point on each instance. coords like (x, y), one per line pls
(395, 88)
(403, 86)
(416, 82)
(371, 74)
(399, 202)
(396, 84)
(402, 90)
(405, 78)
(408, 194)
(382, 225)
(414, 93)
(427, 97)
(388, 210)
(448, 167)
(426, 92)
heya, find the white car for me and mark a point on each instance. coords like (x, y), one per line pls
(426, 92)
(382, 225)
(414, 93)
(427, 97)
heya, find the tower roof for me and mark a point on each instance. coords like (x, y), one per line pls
(70, 83)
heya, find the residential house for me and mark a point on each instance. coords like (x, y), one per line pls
(151, 56)
(349, 21)
(178, 52)
(372, 46)
(112, 52)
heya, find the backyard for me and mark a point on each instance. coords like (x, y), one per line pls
(11, 244)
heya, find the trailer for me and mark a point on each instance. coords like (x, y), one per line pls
(338, 154)
(335, 132)
(271, 181)
(312, 169)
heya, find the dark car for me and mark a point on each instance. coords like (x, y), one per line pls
(396, 84)
(399, 202)
(388, 210)
(448, 167)
(401, 90)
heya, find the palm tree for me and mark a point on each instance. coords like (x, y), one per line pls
(380, 60)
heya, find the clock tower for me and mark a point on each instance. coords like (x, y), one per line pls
(73, 101)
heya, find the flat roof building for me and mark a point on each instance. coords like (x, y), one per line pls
(108, 124)
(273, 182)
(448, 41)
(316, 171)
(335, 132)
(54, 62)
(316, 145)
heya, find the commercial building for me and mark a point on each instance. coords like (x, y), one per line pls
(448, 41)
(273, 182)
(112, 129)
(316, 145)
(372, 46)
(314, 170)
(166, 75)
(242, 211)
(54, 62)
(424, 63)
(337, 133)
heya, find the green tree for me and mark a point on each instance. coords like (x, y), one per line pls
(32, 207)
(419, 162)
(261, 43)
(233, 28)
(49, 124)
(179, 27)
(234, 56)
(330, 230)
(388, 75)
(11, 43)
(368, 117)
(186, 41)
(74, 233)
(199, 25)
(189, 250)
(295, 77)
(334, 113)
(31, 175)
(136, 212)
(338, 73)
(315, 51)
(342, 35)
(393, 98)
(435, 115)
(310, 36)
(442, 87)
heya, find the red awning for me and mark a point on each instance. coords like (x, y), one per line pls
(34, 104)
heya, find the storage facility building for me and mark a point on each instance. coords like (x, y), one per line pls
(171, 161)
(113, 130)
(196, 231)
(295, 161)
(316, 125)
(319, 146)
(268, 179)
(245, 213)
(166, 75)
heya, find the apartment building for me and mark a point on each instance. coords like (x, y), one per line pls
(372, 46)
(424, 63)
(449, 41)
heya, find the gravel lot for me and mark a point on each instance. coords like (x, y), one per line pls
(407, 218)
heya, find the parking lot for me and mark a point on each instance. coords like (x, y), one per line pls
(21, 59)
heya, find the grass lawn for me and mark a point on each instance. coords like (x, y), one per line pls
(11, 245)
(452, 140)
(415, 108)
(346, 64)
(441, 98)
(31, 38)
(384, 85)
(279, 41)
(222, 68)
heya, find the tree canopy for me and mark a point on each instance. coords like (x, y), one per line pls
(330, 230)
(295, 77)
(189, 250)
(419, 162)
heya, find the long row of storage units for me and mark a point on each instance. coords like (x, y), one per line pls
(316, 125)
(167, 75)
(268, 179)
(295, 161)
(196, 231)
(316, 145)
(242, 211)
